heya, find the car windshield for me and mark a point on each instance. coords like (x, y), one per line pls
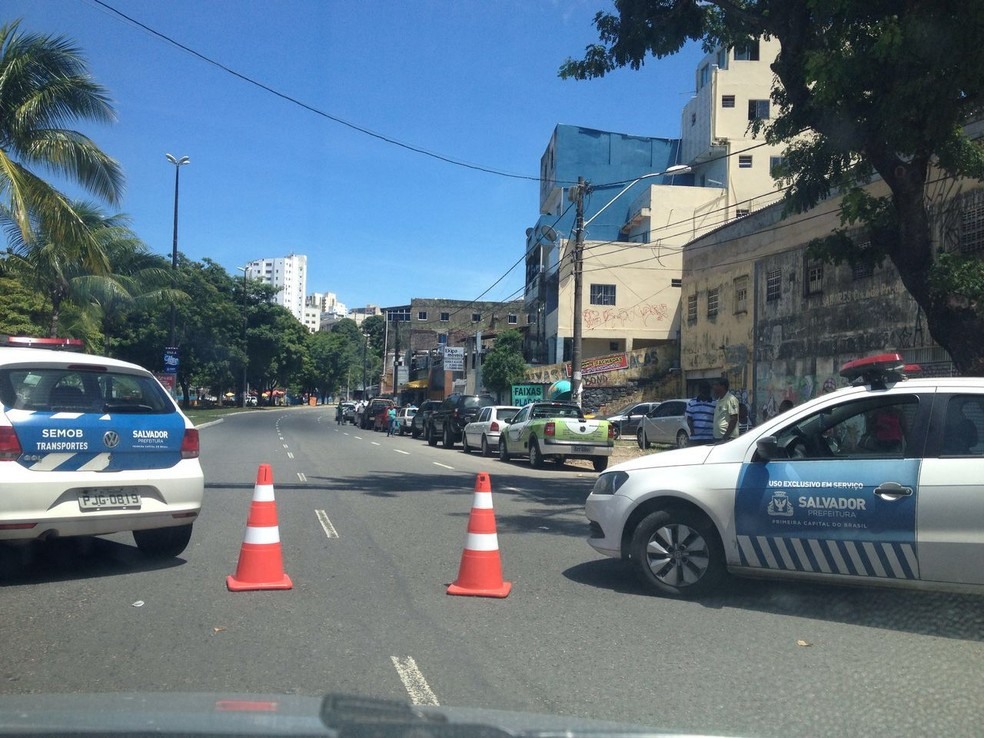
(281, 224)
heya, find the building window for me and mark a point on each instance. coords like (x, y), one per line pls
(773, 285)
(422, 315)
(727, 101)
(476, 317)
(712, 303)
(613, 345)
(693, 119)
(722, 58)
(758, 109)
(703, 76)
(602, 294)
(745, 161)
(676, 282)
(814, 276)
(741, 212)
(691, 308)
(863, 270)
(741, 295)
(775, 165)
(972, 222)
(445, 317)
(747, 52)
(512, 320)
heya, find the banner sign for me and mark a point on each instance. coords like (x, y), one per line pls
(454, 358)
(523, 394)
(601, 364)
(171, 360)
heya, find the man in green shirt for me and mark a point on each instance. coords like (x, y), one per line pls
(725, 411)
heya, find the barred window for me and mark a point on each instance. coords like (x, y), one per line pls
(691, 308)
(602, 294)
(712, 303)
(512, 320)
(972, 222)
(773, 285)
(758, 109)
(745, 161)
(814, 276)
(741, 295)
(727, 101)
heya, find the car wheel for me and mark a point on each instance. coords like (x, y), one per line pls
(677, 553)
(616, 430)
(414, 433)
(448, 439)
(599, 463)
(536, 458)
(559, 460)
(503, 451)
(163, 542)
(682, 439)
(464, 443)
(431, 438)
(486, 449)
(642, 440)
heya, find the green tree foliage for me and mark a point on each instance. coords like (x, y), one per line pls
(862, 88)
(504, 366)
(22, 310)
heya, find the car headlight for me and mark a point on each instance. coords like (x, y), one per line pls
(609, 482)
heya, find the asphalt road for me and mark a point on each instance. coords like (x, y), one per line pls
(373, 529)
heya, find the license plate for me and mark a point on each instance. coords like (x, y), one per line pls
(583, 449)
(108, 499)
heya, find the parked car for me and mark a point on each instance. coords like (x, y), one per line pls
(419, 423)
(376, 404)
(404, 417)
(448, 421)
(665, 424)
(878, 483)
(380, 418)
(345, 412)
(91, 445)
(626, 420)
(483, 432)
(557, 430)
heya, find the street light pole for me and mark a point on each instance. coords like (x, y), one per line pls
(577, 195)
(244, 270)
(178, 163)
(365, 347)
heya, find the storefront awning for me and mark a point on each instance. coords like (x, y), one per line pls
(416, 384)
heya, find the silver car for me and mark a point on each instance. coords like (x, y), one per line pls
(484, 431)
(880, 483)
(626, 420)
(665, 424)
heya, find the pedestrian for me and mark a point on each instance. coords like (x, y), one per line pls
(700, 415)
(725, 410)
(391, 425)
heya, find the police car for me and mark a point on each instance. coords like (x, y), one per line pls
(878, 483)
(91, 445)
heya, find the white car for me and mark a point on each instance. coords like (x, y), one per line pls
(485, 430)
(665, 424)
(91, 445)
(404, 418)
(878, 483)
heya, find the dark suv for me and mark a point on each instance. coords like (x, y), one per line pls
(419, 423)
(449, 420)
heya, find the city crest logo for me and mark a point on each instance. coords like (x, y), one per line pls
(780, 505)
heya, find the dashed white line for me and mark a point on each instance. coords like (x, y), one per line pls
(301, 477)
(326, 524)
(437, 463)
(290, 455)
(417, 687)
(375, 443)
(401, 451)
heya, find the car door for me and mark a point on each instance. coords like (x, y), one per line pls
(475, 429)
(513, 431)
(835, 492)
(665, 422)
(951, 504)
(633, 417)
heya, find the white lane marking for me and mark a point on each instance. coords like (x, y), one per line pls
(511, 489)
(359, 437)
(326, 524)
(438, 463)
(375, 443)
(417, 687)
(400, 451)
(301, 477)
(290, 455)
(286, 446)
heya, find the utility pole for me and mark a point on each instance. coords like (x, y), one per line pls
(577, 195)
(396, 358)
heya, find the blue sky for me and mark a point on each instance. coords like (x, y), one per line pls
(472, 81)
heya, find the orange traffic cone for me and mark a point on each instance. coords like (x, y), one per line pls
(480, 573)
(261, 564)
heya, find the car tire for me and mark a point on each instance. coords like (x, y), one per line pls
(414, 433)
(447, 439)
(503, 450)
(677, 552)
(559, 460)
(431, 438)
(536, 458)
(599, 463)
(642, 440)
(464, 443)
(486, 449)
(616, 430)
(163, 543)
(682, 439)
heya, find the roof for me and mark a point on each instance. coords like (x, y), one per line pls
(38, 357)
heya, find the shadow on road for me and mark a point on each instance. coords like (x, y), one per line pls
(65, 559)
(941, 614)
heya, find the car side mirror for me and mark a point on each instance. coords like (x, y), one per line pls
(768, 448)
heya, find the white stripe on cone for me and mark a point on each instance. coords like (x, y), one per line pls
(263, 493)
(483, 501)
(263, 535)
(482, 542)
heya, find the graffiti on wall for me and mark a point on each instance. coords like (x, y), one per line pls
(620, 317)
(636, 363)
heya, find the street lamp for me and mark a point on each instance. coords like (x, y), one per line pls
(244, 270)
(178, 163)
(365, 346)
(579, 225)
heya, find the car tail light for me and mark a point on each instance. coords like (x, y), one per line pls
(611, 432)
(494, 426)
(189, 444)
(550, 429)
(10, 448)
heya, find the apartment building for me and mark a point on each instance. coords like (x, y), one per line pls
(289, 274)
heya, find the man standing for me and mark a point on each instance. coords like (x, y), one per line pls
(700, 415)
(725, 411)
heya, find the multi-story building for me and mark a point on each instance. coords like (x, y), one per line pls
(360, 314)
(289, 274)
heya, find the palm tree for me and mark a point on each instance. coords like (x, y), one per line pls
(44, 86)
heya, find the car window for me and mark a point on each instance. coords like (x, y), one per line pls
(484, 415)
(507, 416)
(77, 390)
(668, 409)
(522, 415)
(963, 427)
(874, 427)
